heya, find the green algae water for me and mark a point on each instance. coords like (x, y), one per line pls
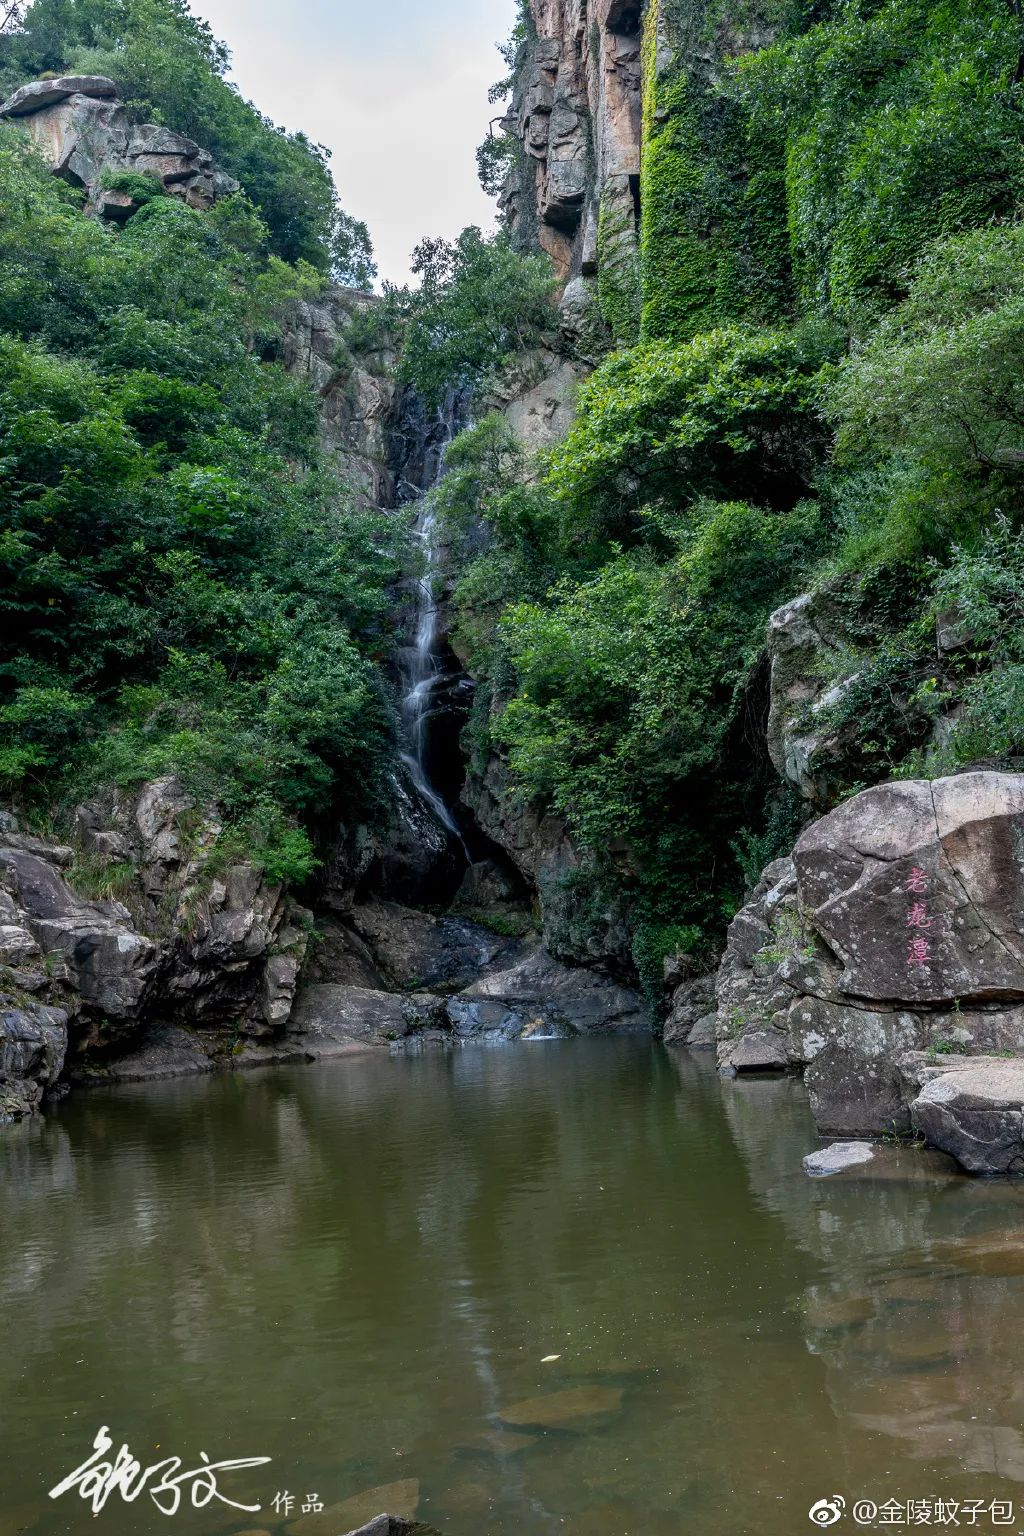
(362, 1271)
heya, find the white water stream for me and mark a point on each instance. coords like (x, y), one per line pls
(425, 671)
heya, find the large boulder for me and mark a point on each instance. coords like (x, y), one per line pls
(421, 950)
(230, 943)
(332, 1019)
(538, 996)
(89, 137)
(40, 94)
(33, 1043)
(693, 1004)
(534, 997)
(896, 927)
(974, 1110)
(108, 966)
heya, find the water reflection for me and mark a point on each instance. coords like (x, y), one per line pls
(359, 1270)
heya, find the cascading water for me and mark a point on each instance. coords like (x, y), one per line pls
(424, 675)
(430, 674)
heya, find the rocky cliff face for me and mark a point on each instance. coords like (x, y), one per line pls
(576, 111)
(135, 946)
(357, 394)
(89, 136)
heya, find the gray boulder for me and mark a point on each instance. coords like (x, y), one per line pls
(693, 999)
(40, 94)
(421, 950)
(87, 987)
(109, 966)
(33, 1043)
(837, 1158)
(974, 1110)
(333, 1020)
(540, 996)
(86, 133)
(897, 927)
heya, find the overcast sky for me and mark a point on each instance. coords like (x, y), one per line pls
(397, 89)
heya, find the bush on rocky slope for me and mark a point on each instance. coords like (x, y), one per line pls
(182, 589)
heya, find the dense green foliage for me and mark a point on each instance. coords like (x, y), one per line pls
(170, 69)
(617, 611)
(826, 389)
(809, 174)
(730, 413)
(817, 380)
(901, 122)
(478, 304)
(713, 241)
(181, 587)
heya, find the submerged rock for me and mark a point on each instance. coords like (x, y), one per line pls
(555, 1409)
(362, 1513)
(838, 1157)
(392, 1525)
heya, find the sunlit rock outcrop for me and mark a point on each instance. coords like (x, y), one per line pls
(89, 137)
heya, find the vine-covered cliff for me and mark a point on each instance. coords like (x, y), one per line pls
(729, 528)
(775, 556)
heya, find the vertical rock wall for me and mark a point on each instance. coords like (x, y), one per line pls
(576, 111)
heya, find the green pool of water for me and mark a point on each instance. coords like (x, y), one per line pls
(358, 1270)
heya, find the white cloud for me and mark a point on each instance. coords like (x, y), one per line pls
(397, 91)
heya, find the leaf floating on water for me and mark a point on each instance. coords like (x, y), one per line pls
(548, 1359)
(557, 1408)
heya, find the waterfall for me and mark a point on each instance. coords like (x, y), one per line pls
(428, 671)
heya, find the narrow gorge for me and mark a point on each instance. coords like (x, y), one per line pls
(506, 774)
(493, 891)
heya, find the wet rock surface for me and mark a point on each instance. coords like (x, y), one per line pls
(523, 993)
(896, 929)
(691, 1019)
(837, 1158)
(539, 996)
